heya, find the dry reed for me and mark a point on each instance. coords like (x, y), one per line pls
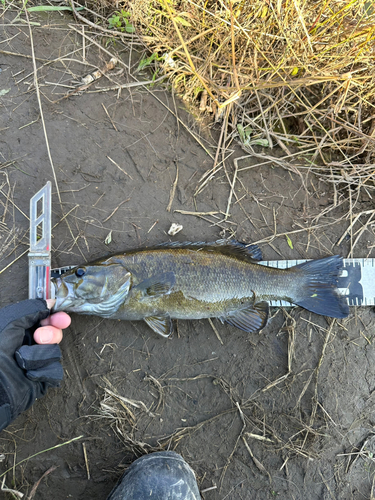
(299, 75)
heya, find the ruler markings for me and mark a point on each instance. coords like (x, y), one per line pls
(356, 282)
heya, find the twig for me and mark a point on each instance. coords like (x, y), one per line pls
(258, 464)
(118, 166)
(12, 202)
(159, 388)
(236, 443)
(39, 453)
(13, 261)
(66, 215)
(35, 487)
(86, 460)
(291, 335)
(132, 402)
(113, 125)
(209, 489)
(173, 190)
(6, 52)
(90, 79)
(187, 212)
(115, 210)
(9, 490)
(232, 184)
(42, 119)
(40, 103)
(215, 330)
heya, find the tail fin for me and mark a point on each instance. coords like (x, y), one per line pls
(318, 292)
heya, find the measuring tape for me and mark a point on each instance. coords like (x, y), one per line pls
(356, 281)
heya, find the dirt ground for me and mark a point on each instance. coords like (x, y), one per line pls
(288, 413)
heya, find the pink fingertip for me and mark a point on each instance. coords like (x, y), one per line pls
(48, 335)
(59, 320)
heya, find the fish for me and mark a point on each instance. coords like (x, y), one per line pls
(221, 279)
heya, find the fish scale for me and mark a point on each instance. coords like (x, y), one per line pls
(222, 279)
(210, 277)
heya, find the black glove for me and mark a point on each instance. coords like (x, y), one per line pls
(26, 371)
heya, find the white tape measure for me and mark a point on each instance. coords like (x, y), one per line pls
(356, 282)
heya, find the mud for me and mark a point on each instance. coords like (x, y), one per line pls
(312, 414)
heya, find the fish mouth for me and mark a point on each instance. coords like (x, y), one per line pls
(63, 294)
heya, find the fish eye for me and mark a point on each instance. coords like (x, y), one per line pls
(81, 271)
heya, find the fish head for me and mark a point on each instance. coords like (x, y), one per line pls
(99, 288)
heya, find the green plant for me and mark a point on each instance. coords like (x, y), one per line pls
(245, 137)
(148, 60)
(120, 22)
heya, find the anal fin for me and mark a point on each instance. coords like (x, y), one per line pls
(251, 318)
(160, 324)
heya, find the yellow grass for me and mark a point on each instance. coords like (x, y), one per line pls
(281, 72)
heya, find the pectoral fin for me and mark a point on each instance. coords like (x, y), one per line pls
(250, 319)
(160, 324)
(160, 284)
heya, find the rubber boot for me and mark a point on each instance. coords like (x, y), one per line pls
(159, 476)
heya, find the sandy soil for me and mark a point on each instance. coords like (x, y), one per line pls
(250, 421)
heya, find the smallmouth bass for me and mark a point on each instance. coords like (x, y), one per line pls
(222, 279)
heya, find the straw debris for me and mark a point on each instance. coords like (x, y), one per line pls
(295, 74)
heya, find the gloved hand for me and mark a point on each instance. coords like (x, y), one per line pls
(27, 369)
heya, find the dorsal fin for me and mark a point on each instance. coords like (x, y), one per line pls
(226, 247)
(233, 248)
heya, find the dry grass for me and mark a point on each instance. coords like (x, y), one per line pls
(12, 236)
(295, 74)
